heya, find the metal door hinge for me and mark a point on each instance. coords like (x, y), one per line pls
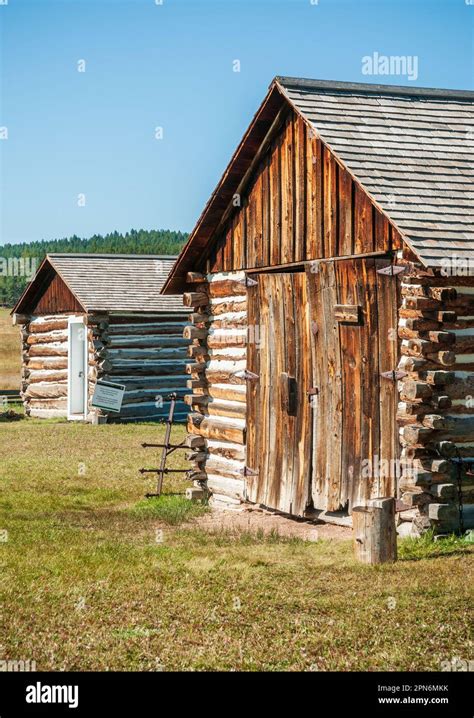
(392, 269)
(393, 374)
(247, 471)
(247, 375)
(249, 282)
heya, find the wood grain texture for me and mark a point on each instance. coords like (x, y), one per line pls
(355, 437)
(275, 204)
(253, 365)
(299, 204)
(279, 440)
(287, 194)
(388, 351)
(330, 204)
(57, 298)
(300, 201)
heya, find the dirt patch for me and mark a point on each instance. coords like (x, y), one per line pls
(253, 519)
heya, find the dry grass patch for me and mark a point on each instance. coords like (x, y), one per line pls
(10, 352)
(95, 577)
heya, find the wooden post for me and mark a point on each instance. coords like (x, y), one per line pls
(375, 537)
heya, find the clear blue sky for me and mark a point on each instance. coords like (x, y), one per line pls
(171, 65)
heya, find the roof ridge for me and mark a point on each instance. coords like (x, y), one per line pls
(369, 88)
(111, 256)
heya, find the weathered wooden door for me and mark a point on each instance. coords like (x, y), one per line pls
(354, 342)
(279, 411)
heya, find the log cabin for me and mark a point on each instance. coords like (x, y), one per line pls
(330, 280)
(100, 317)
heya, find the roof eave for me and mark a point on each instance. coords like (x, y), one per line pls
(218, 200)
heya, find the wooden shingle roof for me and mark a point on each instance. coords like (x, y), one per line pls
(109, 282)
(412, 149)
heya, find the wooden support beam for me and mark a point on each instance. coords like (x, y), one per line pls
(195, 299)
(194, 441)
(300, 266)
(212, 429)
(199, 318)
(195, 278)
(192, 332)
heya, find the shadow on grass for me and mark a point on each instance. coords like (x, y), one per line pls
(11, 415)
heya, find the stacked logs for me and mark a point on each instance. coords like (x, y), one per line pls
(435, 413)
(216, 424)
(45, 366)
(97, 337)
(147, 354)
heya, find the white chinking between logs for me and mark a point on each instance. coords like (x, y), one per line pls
(435, 413)
(217, 394)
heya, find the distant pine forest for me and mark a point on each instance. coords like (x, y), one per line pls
(18, 261)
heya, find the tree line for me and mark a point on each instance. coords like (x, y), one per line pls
(19, 261)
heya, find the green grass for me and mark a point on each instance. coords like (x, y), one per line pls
(427, 547)
(95, 577)
(10, 352)
(171, 510)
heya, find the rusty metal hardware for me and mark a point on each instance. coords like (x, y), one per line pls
(247, 471)
(393, 374)
(247, 375)
(392, 269)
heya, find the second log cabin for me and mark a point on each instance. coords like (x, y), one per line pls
(330, 280)
(99, 317)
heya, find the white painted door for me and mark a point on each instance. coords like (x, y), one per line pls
(77, 369)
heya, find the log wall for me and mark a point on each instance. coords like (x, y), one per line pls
(216, 385)
(435, 413)
(145, 352)
(44, 369)
(148, 354)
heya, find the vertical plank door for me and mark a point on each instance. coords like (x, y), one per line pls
(355, 440)
(279, 413)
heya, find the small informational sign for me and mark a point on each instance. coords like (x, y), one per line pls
(108, 396)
